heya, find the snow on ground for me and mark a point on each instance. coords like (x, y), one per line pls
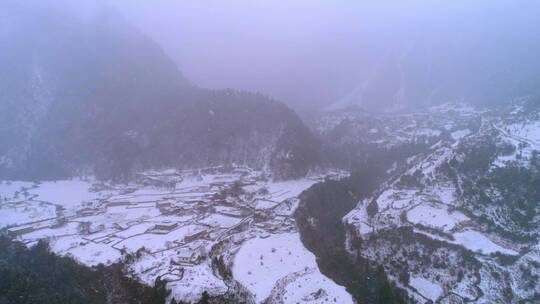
(68, 193)
(287, 208)
(64, 230)
(430, 164)
(433, 217)
(171, 218)
(220, 220)
(396, 199)
(135, 230)
(195, 281)
(260, 263)
(226, 209)
(98, 225)
(148, 267)
(187, 282)
(476, 241)
(190, 183)
(502, 160)
(280, 191)
(264, 204)
(428, 132)
(426, 288)
(386, 198)
(459, 134)
(85, 252)
(120, 215)
(8, 190)
(360, 218)
(24, 213)
(526, 130)
(446, 194)
(149, 195)
(157, 242)
(307, 289)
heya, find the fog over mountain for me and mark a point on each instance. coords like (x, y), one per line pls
(380, 54)
(390, 54)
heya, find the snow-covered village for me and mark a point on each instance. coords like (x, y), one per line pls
(217, 230)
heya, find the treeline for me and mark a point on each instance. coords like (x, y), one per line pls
(35, 275)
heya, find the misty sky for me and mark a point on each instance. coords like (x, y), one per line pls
(317, 51)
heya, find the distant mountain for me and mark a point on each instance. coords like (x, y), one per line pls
(95, 96)
(484, 68)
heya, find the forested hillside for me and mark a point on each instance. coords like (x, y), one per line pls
(97, 97)
(36, 275)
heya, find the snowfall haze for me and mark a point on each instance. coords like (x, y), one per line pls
(276, 152)
(315, 53)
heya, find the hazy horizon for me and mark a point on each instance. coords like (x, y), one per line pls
(317, 52)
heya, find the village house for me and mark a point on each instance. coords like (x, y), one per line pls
(95, 228)
(157, 181)
(195, 236)
(86, 212)
(125, 225)
(118, 203)
(164, 227)
(188, 255)
(237, 213)
(163, 205)
(17, 231)
(219, 185)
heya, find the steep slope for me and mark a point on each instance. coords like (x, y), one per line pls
(52, 279)
(319, 217)
(460, 222)
(95, 96)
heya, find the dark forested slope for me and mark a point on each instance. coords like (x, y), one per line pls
(37, 276)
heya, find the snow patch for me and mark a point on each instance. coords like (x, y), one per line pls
(260, 263)
(433, 217)
(426, 288)
(476, 241)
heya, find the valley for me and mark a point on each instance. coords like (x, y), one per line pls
(402, 165)
(439, 207)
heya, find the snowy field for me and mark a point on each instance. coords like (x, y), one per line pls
(14, 214)
(433, 217)
(261, 263)
(426, 288)
(478, 242)
(10, 189)
(68, 194)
